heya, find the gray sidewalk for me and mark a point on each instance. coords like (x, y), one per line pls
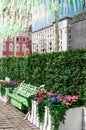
(13, 119)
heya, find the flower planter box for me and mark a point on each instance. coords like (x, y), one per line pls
(7, 86)
(75, 119)
(33, 117)
(5, 96)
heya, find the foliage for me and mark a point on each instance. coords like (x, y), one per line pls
(63, 72)
(41, 109)
(57, 113)
(14, 67)
(30, 98)
(58, 105)
(82, 96)
(2, 91)
(7, 84)
(57, 108)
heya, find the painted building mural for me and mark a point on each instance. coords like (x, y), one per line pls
(42, 17)
(66, 8)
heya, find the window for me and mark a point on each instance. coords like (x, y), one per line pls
(23, 48)
(17, 48)
(11, 47)
(17, 39)
(50, 49)
(50, 43)
(4, 47)
(24, 39)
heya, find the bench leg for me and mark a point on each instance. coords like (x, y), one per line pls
(26, 116)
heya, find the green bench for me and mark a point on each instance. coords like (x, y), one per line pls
(20, 98)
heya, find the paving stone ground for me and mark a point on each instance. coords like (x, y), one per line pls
(13, 119)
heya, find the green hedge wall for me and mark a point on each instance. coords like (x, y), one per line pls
(61, 72)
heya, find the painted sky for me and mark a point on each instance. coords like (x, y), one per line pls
(45, 18)
(42, 18)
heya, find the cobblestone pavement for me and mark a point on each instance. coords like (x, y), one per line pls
(13, 119)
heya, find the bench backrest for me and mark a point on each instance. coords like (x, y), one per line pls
(27, 90)
(23, 90)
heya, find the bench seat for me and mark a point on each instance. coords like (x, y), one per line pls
(18, 104)
(19, 98)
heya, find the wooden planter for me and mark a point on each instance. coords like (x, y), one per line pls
(4, 97)
(33, 117)
(75, 119)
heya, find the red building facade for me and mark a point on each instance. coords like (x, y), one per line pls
(18, 46)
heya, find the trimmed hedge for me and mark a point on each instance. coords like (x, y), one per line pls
(63, 72)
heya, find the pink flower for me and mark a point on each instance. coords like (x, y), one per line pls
(49, 93)
(60, 98)
(39, 93)
(39, 99)
(69, 100)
